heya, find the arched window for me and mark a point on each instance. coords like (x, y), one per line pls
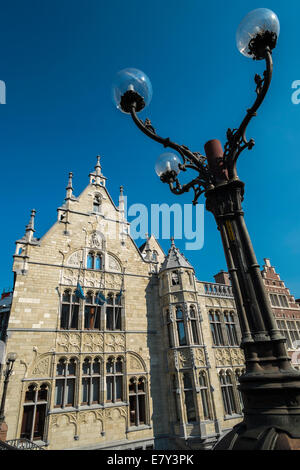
(94, 261)
(238, 373)
(91, 381)
(229, 403)
(189, 398)
(97, 204)
(65, 383)
(169, 328)
(180, 327)
(137, 401)
(154, 256)
(216, 328)
(204, 394)
(175, 396)
(113, 312)
(231, 329)
(175, 278)
(34, 412)
(92, 312)
(194, 327)
(114, 380)
(69, 311)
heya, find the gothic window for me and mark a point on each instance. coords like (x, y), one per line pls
(169, 328)
(137, 401)
(34, 412)
(69, 311)
(216, 328)
(113, 312)
(293, 333)
(204, 394)
(65, 383)
(92, 312)
(238, 373)
(227, 393)
(231, 329)
(175, 396)
(194, 327)
(284, 331)
(97, 204)
(114, 380)
(175, 278)
(154, 256)
(91, 381)
(189, 398)
(180, 327)
(94, 261)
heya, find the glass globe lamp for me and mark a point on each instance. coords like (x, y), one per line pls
(131, 86)
(257, 31)
(167, 166)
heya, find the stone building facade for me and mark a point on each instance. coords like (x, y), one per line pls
(140, 355)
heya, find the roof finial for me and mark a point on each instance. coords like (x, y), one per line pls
(30, 227)
(172, 241)
(121, 190)
(69, 188)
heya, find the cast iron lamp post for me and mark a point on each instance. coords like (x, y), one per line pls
(270, 386)
(7, 373)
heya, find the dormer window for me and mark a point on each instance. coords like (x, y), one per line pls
(97, 204)
(94, 261)
(175, 278)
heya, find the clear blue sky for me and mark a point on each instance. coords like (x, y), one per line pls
(58, 60)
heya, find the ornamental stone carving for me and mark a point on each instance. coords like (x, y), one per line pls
(237, 356)
(113, 281)
(42, 368)
(135, 364)
(96, 240)
(68, 342)
(92, 342)
(74, 259)
(199, 355)
(113, 264)
(184, 359)
(114, 342)
(93, 279)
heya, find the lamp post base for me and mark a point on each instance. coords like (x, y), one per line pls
(3, 431)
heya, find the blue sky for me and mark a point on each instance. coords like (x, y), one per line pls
(59, 59)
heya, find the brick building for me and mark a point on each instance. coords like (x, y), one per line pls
(145, 356)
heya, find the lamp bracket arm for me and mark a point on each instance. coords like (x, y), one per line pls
(194, 158)
(236, 138)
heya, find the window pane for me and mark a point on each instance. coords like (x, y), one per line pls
(89, 263)
(190, 406)
(98, 262)
(109, 388)
(70, 391)
(195, 332)
(40, 416)
(85, 390)
(142, 417)
(96, 389)
(64, 321)
(181, 333)
(109, 318)
(132, 409)
(118, 318)
(74, 316)
(59, 389)
(119, 391)
(27, 422)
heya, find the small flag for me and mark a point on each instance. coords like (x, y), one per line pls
(79, 292)
(100, 299)
(119, 295)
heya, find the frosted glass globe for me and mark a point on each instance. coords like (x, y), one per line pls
(259, 28)
(167, 165)
(131, 85)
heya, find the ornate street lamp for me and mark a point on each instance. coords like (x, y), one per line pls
(11, 357)
(270, 386)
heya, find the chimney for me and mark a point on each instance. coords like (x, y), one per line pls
(222, 278)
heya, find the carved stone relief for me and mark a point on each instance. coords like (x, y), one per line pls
(114, 342)
(74, 259)
(68, 342)
(92, 342)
